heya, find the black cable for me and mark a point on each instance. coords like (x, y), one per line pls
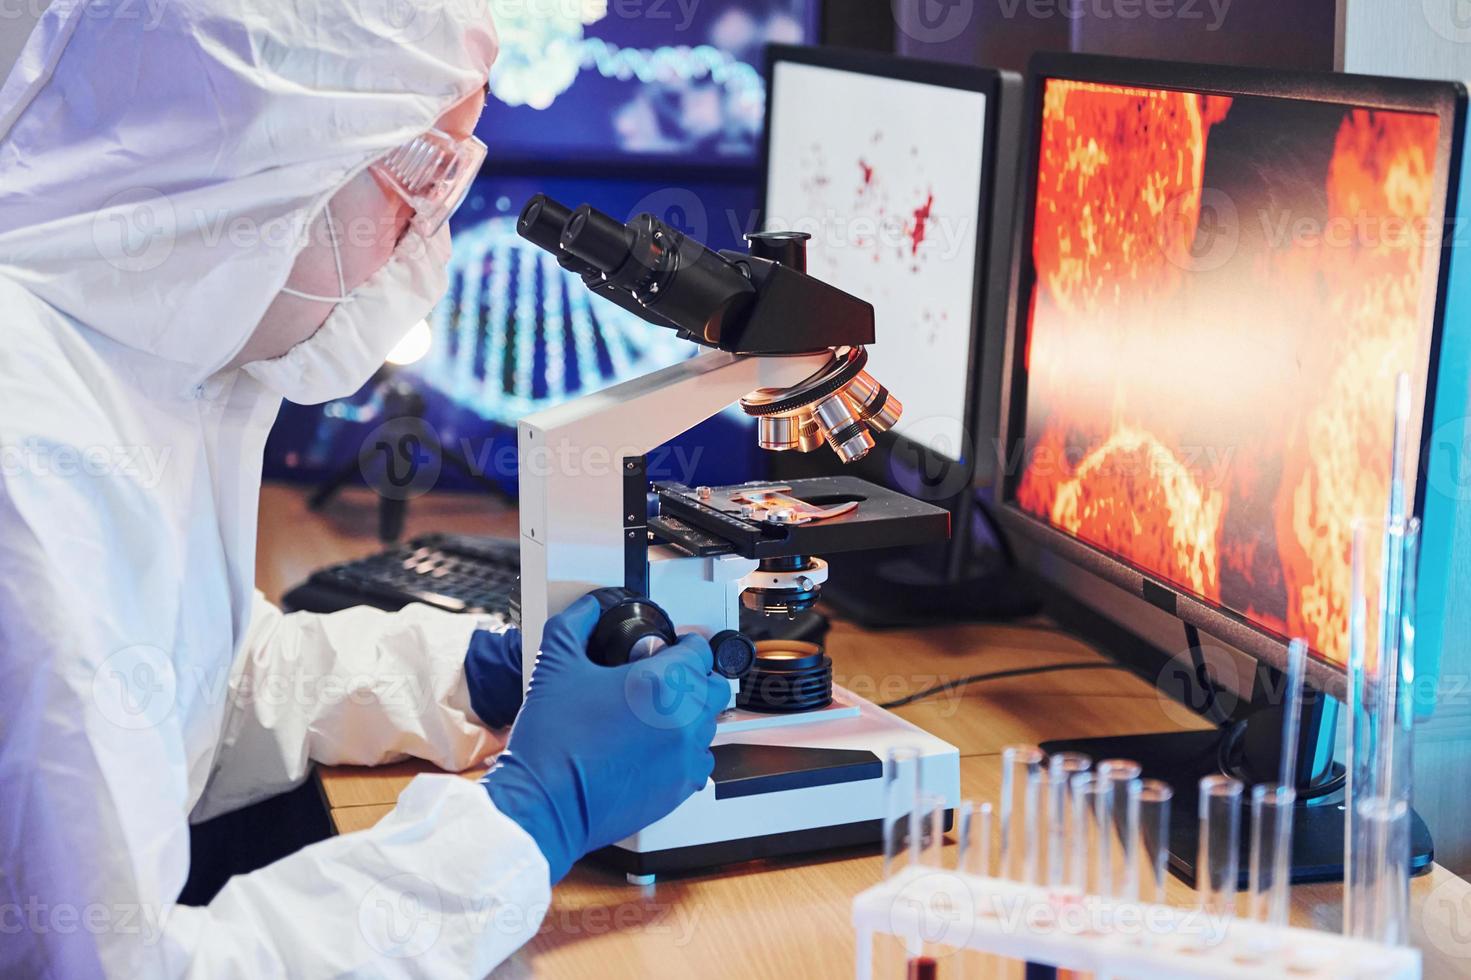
(1226, 762)
(930, 692)
(1212, 708)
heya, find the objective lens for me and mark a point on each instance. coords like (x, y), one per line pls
(844, 429)
(878, 407)
(781, 433)
(777, 433)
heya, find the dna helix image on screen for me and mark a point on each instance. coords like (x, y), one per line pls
(517, 333)
(662, 79)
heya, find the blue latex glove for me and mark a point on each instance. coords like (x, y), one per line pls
(599, 753)
(493, 674)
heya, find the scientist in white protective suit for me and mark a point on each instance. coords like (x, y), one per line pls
(203, 209)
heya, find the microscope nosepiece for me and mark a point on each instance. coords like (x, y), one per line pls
(842, 405)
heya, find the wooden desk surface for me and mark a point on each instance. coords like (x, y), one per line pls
(790, 917)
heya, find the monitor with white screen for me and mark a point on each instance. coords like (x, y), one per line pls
(903, 171)
(886, 174)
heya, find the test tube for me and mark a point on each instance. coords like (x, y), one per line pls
(1062, 829)
(1297, 660)
(975, 840)
(931, 810)
(1154, 837)
(1271, 851)
(965, 820)
(901, 793)
(1121, 869)
(1092, 813)
(1383, 891)
(1021, 796)
(1218, 858)
(1380, 732)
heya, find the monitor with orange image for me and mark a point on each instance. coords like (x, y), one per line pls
(1220, 289)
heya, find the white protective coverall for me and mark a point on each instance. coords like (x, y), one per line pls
(148, 163)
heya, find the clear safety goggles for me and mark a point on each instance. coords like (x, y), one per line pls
(432, 174)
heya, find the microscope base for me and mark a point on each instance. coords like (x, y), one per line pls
(790, 789)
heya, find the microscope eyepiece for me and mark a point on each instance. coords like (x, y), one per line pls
(786, 247)
(542, 222)
(598, 240)
(644, 265)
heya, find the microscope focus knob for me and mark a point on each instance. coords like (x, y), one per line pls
(631, 627)
(735, 654)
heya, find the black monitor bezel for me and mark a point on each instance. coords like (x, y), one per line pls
(1447, 100)
(989, 83)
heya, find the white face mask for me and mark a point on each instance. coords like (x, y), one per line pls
(364, 326)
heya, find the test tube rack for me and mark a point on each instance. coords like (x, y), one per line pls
(935, 908)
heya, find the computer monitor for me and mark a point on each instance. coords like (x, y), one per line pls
(1220, 274)
(891, 166)
(630, 85)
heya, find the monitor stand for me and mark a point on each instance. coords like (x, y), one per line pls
(1182, 758)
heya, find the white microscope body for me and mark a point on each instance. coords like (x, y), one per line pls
(784, 783)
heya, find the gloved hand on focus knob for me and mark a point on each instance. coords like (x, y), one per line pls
(599, 753)
(493, 675)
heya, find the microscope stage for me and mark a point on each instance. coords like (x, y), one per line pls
(883, 518)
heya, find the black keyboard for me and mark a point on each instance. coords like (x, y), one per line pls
(455, 572)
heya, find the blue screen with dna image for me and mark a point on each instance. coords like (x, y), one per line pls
(627, 105)
(585, 80)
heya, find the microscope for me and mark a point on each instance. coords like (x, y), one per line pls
(799, 762)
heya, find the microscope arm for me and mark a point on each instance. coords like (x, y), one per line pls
(583, 483)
